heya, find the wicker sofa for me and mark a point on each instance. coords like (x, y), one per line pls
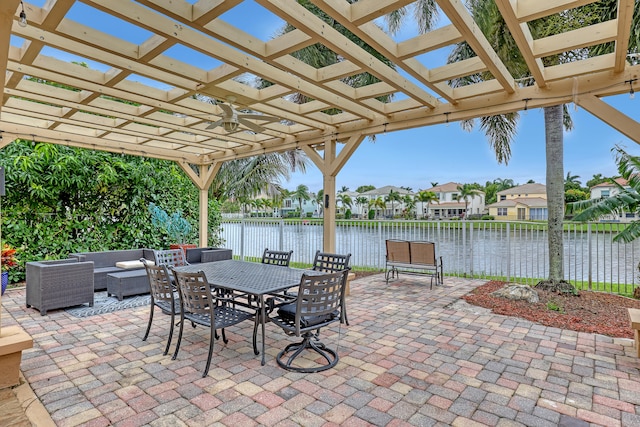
(127, 282)
(59, 284)
(105, 262)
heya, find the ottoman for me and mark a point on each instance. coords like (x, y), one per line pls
(126, 283)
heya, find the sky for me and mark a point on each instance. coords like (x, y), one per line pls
(416, 158)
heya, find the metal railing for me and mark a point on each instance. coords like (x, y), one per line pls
(512, 251)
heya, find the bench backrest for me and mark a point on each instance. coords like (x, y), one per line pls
(110, 258)
(423, 253)
(398, 251)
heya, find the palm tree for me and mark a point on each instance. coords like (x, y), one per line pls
(501, 129)
(344, 189)
(301, 194)
(409, 205)
(426, 197)
(362, 201)
(392, 197)
(572, 182)
(246, 178)
(345, 200)
(377, 203)
(467, 191)
(434, 184)
(504, 183)
(319, 199)
(627, 198)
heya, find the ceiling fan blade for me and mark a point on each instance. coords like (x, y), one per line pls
(254, 127)
(214, 124)
(259, 117)
(228, 110)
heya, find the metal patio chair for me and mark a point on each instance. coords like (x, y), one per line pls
(163, 296)
(318, 304)
(201, 307)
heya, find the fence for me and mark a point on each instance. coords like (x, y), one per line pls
(515, 251)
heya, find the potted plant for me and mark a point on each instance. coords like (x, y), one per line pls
(7, 261)
(175, 225)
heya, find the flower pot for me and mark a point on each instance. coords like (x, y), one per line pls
(183, 246)
(5, 281)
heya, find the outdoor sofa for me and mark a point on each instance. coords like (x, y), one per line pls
(134, 281)
(107, 262)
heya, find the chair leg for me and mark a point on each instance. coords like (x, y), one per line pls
(146, 335)
(175, 353)
(255, 332)
(166, 349)
(211, 341)
(328, 354)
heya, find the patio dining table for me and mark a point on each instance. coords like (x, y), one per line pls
(250, 278)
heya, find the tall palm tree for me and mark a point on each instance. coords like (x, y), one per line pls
(427, 197)
(344, 189)
(301, 194)
(393, 197)
(466, 192)
(501, 129)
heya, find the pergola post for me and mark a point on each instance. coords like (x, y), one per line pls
(330, 164)
(202, 179)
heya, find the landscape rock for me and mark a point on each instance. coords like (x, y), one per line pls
(517, 292)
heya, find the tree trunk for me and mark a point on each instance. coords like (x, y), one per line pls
(555, 190)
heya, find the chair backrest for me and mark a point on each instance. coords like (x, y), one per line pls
(423, 253)
(330, 263)
(320, 297)
(170, 258)
(195, 293)
(159, 282)
(398, 251)
(276, 257)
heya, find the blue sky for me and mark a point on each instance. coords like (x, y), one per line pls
(415, 158)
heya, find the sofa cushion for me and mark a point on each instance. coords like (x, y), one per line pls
(133, 264)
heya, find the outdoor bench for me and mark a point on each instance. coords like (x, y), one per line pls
(634, 321)
(413, 257)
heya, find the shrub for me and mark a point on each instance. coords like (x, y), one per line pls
(487, 218)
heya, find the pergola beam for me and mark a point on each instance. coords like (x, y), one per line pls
(614, 118)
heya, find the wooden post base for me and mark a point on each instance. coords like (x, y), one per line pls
(12, 341)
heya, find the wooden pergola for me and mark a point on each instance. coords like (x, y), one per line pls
(173, 123)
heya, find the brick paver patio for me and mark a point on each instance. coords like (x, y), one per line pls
(408, 358)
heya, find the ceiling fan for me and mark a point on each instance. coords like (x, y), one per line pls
(231, 119)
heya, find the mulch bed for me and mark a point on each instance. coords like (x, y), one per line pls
(595, 312)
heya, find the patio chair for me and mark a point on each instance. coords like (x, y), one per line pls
(276, 257)
(170, 257)
(331, 263)
(317, 305)
(201, 307)
(163, 296)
